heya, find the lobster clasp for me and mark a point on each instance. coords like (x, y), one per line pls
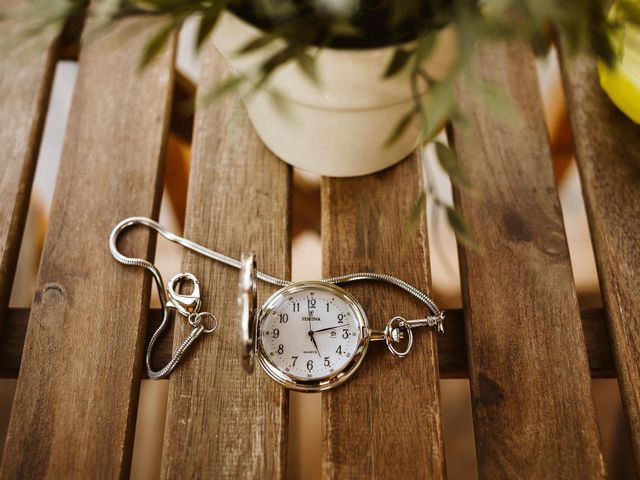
(186, 303)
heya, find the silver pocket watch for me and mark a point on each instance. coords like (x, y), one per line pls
(308, 336)
(312, 336)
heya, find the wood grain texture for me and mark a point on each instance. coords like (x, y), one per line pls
(386, 422)
(74, 408)
(533, 410)
(24, 95)
(608, 152)
(222, 422)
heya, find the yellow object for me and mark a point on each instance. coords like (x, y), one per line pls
(622, 80)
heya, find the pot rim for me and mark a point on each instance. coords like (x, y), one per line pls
(363, 51)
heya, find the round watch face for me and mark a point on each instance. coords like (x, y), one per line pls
(311, 336)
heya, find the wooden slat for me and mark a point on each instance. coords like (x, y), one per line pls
(452, 348)
(385, 423)
(608, 152)
(531, 392)
(74, 408)
(24, 95)
(221, 422)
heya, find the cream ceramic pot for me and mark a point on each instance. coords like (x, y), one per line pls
(337, 128)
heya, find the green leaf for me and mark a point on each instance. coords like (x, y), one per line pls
(499, 103)
(425, 47)
(449, 162)
(630, 10)
(281, 103)
(460, 228)
(419, 206)
(155, 45)
(105, 11)
(417, 210)
(436, 110)
(308, 65)
(398, 61)
(400, 128)
(256, 44)
(276, 60)
(208, 21)
(221, 89)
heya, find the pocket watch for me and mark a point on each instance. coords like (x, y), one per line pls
(312, 336)
(308, 336)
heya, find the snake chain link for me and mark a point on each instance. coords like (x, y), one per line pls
(232, 262)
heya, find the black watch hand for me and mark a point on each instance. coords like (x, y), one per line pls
(314, 343)
(325, 329)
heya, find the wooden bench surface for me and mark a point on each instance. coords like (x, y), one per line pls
(520, 337)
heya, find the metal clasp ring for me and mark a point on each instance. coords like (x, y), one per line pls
(195, 320)
(395, 331)
(185, 304)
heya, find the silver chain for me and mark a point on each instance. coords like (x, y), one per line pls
(435, 319)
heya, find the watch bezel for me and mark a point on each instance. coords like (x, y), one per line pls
(336, 378)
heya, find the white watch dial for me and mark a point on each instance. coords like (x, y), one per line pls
(310, 334)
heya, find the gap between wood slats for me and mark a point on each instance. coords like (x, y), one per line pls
(452, 354)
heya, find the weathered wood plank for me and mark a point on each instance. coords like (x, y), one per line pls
(24, 95)
(452, 348)
(531, 392)
(608, 153)
(76, 398)
(385, 423)
(222, 423)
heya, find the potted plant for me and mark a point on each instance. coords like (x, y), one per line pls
(363, 82)
(349, 107)
(349, 87)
